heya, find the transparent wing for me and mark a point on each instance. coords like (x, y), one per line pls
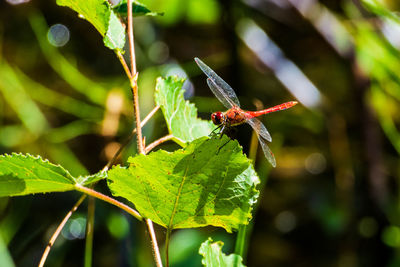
(219, 87)
(228, 103)
(267, 152)
(260, 129)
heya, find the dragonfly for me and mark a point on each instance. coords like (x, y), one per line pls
(235, 115)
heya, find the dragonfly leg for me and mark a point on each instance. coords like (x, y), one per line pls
(222, 146)
(213, 133)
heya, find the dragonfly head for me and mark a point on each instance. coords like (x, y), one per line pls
(217, 117)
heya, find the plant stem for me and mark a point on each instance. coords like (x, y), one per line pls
(124, 65)
(141, 148)
(156, 252)
(58, 230)
(148, 117)
(127, 140)
(134, 89)
(158, 142)
(108, 199)
(89, 232)
(241, 241)
(133, 80)
(167, 239)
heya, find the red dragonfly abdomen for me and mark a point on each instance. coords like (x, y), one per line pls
(272, 109)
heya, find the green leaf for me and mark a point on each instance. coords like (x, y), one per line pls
(138, 9)
(180, 115)
(89, 179)
(209, 182)
(115, 36)
(100, 14)
(213, 255)
(25, 174)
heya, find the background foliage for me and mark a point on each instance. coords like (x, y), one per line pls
(333, 198)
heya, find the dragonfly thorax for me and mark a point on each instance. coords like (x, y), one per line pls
(218, 117)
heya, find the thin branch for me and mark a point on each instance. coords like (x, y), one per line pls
(141, 148)
(133, 80)
(127, 140)
(158, 142)
(110, 200)
(148, 117)
(124, 65)
(156, 252)
(58, 230)
(134, 88)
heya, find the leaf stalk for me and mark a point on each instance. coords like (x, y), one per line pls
(158, 142)
(167, 239)
(108, 199)
(156, 251)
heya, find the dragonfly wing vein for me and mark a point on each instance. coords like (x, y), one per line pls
(219, 87)
(226, 101)
(259, 128)
(267, 152)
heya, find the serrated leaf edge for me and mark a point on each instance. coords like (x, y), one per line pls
(209, 242)
(38, 158)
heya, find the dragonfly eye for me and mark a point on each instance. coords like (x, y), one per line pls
(217, 118)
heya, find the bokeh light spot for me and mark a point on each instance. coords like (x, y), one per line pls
(315, 163)
(285, 221)
(118, 225)
(158, 52)
(367, 227)
(391, 236)
(205, 11)
(74, 229)
(189, 89)
(58, 35)
(175, 69)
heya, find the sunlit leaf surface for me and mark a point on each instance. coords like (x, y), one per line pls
(210, 182)
(101, 16)
(213, 255)
(180, 115)
(89, 179)
(25, 174)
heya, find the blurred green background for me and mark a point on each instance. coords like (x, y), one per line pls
(333, 199)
